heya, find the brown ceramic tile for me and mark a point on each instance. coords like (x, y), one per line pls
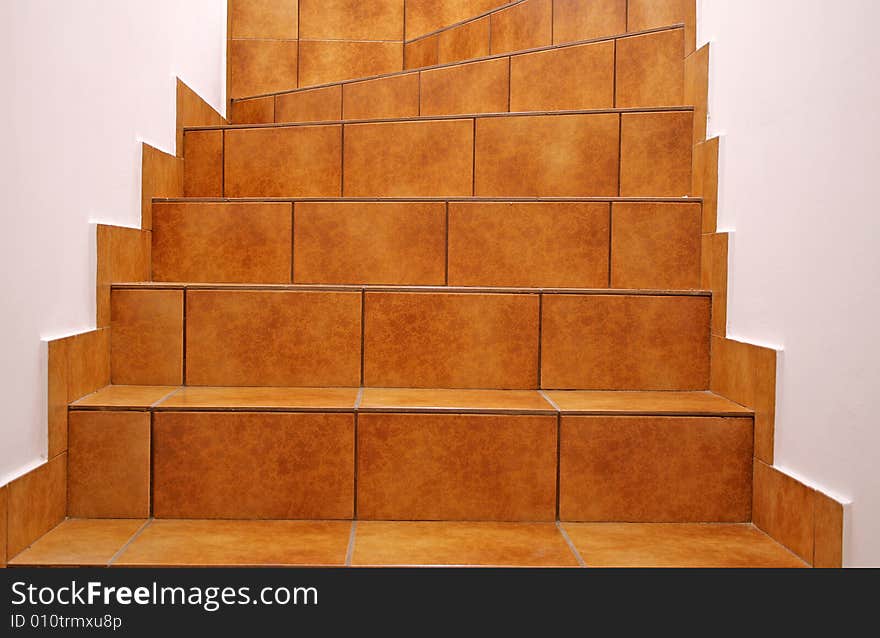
(619, 342)
(3, 511)
(677, 545)
(465, 42)
(161, 176)
(330, 61)
(57, 384)
(456, 401)
(562, 245)
(650, 14)
(123, 256)
(252, 338)
(370, 243)
(696, 89)
(646, 403)
(351, 20)
(655, 246)
(481, 87)
(828, 543)
(394, 96)
(655, 154)
(125, 396)
(783, 507)
(705, 181)
(257, 111)
(421, 53)
(386, 544)
(314, 105)
(425, 16)
(714, 278)
(222, 243)
(147, 337)
(262, 66)
(449, 340)
(547, 155)
(193, 110)
(239, 544)
(109, 465)
(572, 78)
(313, 399)
(37, 502)
(263, 19)
(297, 161)
(747, 374)
(527, 25)
(650, 70)
(409, 159)
(456, 467)
(88, 366)
(655, 469)
(80, 543)
(203, 164)
(575, 20)
(253, 465)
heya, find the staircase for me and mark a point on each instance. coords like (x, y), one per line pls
(451, 315)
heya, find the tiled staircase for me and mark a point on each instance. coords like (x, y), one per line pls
(449, 315)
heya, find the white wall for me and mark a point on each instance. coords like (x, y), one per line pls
(794, 92)
(82, 82)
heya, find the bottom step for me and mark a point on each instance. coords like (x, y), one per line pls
(155, 543)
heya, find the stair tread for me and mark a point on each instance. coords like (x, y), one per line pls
(449, 400)
(573, 402)
(323, 399)
(126, 396)
(385, 200)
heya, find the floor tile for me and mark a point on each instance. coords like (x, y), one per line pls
(80, 543)
(126, 396)
(666, 403)
(458, 401)
(261, 398)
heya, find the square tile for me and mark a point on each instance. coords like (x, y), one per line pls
(351, 20)
(203, 164)
(161, 176)
(57, 399)
(277, 19)
(88, 363)
(36, 503)
(389, 97)
(714, 277)
(526, 25)
(80, 543)
(147, 337)
(651, 14)
(655, 154)
(650, 70)
(193, 110)
(481, 87)
(784, 508)
(575, 20)
(421, 53)
(260, 110)
(828, 541)
(465, 42)
(323, 61)
(262, 66)
(425, 16)
(314, 105)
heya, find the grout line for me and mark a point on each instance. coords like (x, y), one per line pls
(292, 240)
(558, 463)
(552, 21)
(275, 109)
(447, 245)
(165, 398)
(509, 81)
(540, 333)
(342, 161)
(610, 238)
(571, 546)
(614, 75)
(619, 151)
(350, 551)
(152, 462)
(549, 400)
(354, 494)
(474, 160)
(363, 332)
(222, 163)
(359, 399)
(183, 357)
(122, 549)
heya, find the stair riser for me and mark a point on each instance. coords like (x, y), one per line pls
(572, 155)
(653, 246)
(410, 339)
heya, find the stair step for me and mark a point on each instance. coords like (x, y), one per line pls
(633, 70)
(607, 153)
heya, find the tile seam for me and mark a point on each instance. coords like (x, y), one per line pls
(570, 544)
(128, 543)
(349, 554)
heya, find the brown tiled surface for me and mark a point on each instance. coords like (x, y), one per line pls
(575, 20)
(457, 401)
(192, 110)
(573, 78)
(239, 544)
(88, 363)
(655, 469)
(291, 338)
(655, 246)
(554, 155)
(298, 161)
(57, 399)
(465, 42)
(257, 111)
(678, 545)
(696, 89)
(264, 18)
(315, 105)
(449, 340)
(705, 181)
(80, 543)
(655, 150)
(481, 87)
(161, 176)
(425, 16)
(456, 467)
(222, 243)
(351, 20)
(529, 244)
(123, 254)
(37, 502)
(390, 97)
(473, 544)
(660, 403)
(253, 465)
(370, 243)
(109, 465)
(650, 70)
(783, 507)
(261, 398)
(828, 532)
(147, 337)
(426, 159)
(262, 66)
(747, 374)
(203, 164)
(649, 14)
(329, 61)
(523, 26)
(421, 53)
(3, 511)
(625, 342)
(714, 277)
(125, 396)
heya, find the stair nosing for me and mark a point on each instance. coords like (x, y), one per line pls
(389, 200)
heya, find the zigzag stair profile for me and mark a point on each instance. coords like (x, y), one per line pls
(469, 291)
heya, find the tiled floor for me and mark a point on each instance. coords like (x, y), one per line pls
(176, 543)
